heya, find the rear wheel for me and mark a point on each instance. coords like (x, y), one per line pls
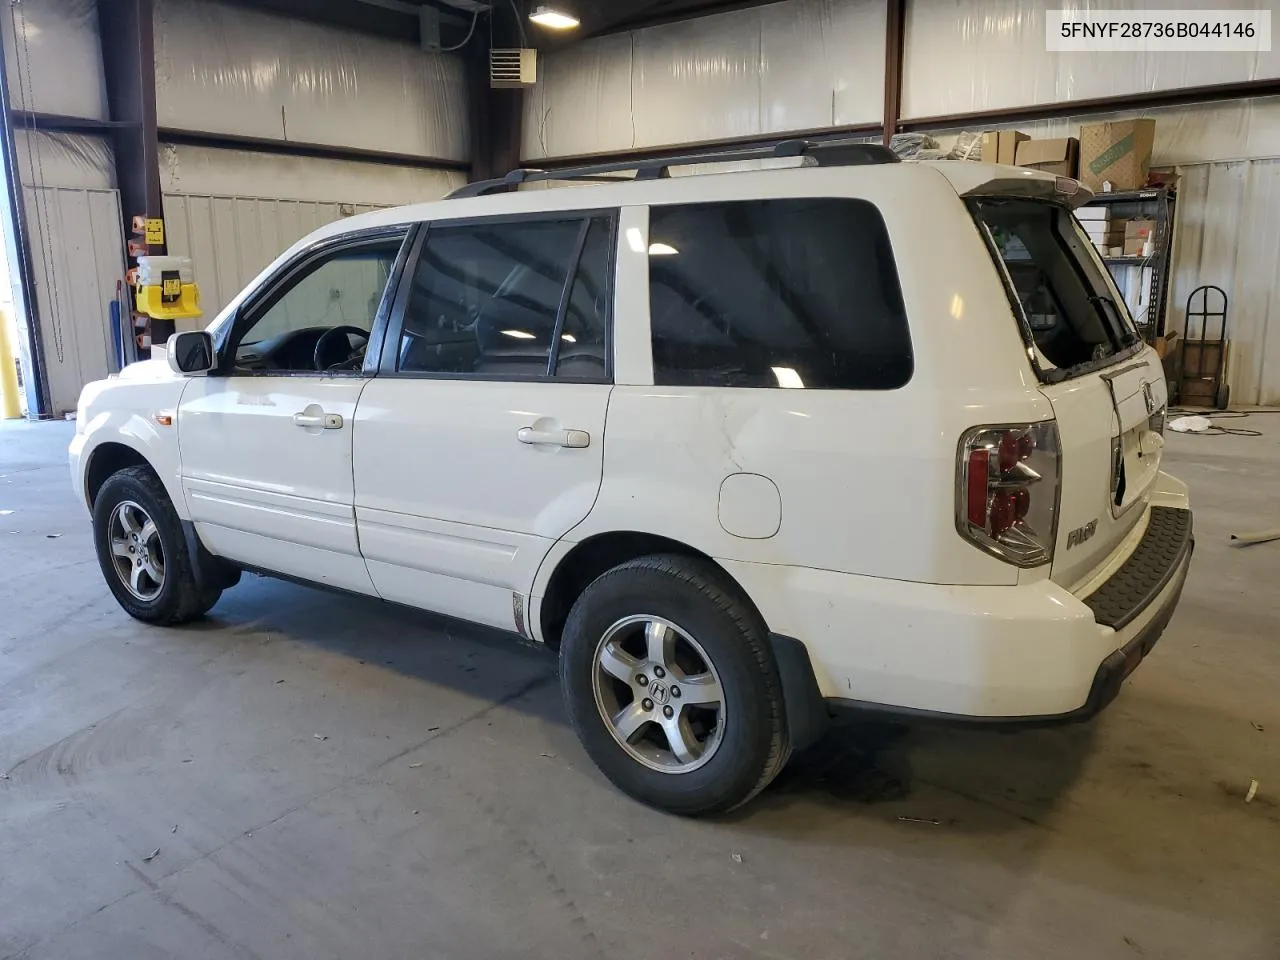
(671, 685)
(142, 552)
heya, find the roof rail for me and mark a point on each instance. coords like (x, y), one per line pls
(825, 153)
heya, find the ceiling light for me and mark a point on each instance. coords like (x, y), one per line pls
(554, 17)
(568, 338)
(662, 250)
(519, 334)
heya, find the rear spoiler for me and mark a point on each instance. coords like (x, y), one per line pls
(996, 180)
(1064, 190)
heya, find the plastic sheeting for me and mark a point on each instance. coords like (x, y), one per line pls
(53, 57)
(239, 71)
(64, 160)
(204, 170)
(964, 56)
(798, 65)
(1229, 235)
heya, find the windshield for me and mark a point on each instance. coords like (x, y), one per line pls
(1071, 309)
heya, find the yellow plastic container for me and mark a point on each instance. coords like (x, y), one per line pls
(185, 306)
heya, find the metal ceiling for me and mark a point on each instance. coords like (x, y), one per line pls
(400, 19)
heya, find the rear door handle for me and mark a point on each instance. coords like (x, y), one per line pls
(558, 438)
(325, 421)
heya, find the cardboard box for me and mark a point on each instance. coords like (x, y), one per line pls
(1001, 146)
(1051, 156)
(1166, 344)
(1139, 228)
(1119, 152)
(1133, 246)
(1093, 213)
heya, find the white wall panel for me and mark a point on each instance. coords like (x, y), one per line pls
(231, 239)
(771, 69)
(963, 56)
(53, 57)
(234, 70)
(1229, 235)
(77, 256)
(209, 170)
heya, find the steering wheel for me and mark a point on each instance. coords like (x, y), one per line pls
(328, 342)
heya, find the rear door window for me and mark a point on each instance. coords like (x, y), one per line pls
(1071, 309)
(776, 293)
(517, 299)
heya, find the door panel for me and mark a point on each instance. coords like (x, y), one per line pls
(268, 491)
(455, 511)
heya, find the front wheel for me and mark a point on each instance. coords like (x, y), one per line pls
(142, 552)
(671, 686)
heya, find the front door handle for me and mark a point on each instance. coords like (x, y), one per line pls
(323, 421)
(558, 438)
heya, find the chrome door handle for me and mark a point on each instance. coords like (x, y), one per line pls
(324, 421)
(559, 438)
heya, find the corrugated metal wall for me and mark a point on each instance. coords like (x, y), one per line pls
(77, 255)
(231, 239)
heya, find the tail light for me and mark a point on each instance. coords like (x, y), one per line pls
(1007, 498)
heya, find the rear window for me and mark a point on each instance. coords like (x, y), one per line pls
(776, 293)
(1070, 308)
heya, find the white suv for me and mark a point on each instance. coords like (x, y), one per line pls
(745, 448)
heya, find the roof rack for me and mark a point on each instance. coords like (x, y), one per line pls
(825, 153)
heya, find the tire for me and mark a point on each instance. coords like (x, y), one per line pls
(1222, 397)
(713, 627)
(132, 510)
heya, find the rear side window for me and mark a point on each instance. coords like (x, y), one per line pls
(776, 293)
(518, 299)
(1071, 309)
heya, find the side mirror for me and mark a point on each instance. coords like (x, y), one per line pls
(190, 353)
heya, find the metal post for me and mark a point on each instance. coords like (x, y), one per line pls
(129, 68)
(894, 43)
(496, 115)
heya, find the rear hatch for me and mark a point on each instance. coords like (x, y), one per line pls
(1106, 387)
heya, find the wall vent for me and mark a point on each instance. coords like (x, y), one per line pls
(513, 68)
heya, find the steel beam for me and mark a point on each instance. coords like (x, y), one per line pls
(129, 69)
(297, 148)
(894, 44)
(497, 116)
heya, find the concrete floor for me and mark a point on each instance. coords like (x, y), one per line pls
(328, 777)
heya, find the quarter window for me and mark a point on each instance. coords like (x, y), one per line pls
(488, 299)
(776, 293)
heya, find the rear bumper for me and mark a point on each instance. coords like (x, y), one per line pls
(1028, 654)
(1107, 679)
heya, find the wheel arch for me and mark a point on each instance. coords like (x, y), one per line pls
(107, 458)
(586, 560)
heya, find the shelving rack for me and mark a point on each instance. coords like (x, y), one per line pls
(1153, 203)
